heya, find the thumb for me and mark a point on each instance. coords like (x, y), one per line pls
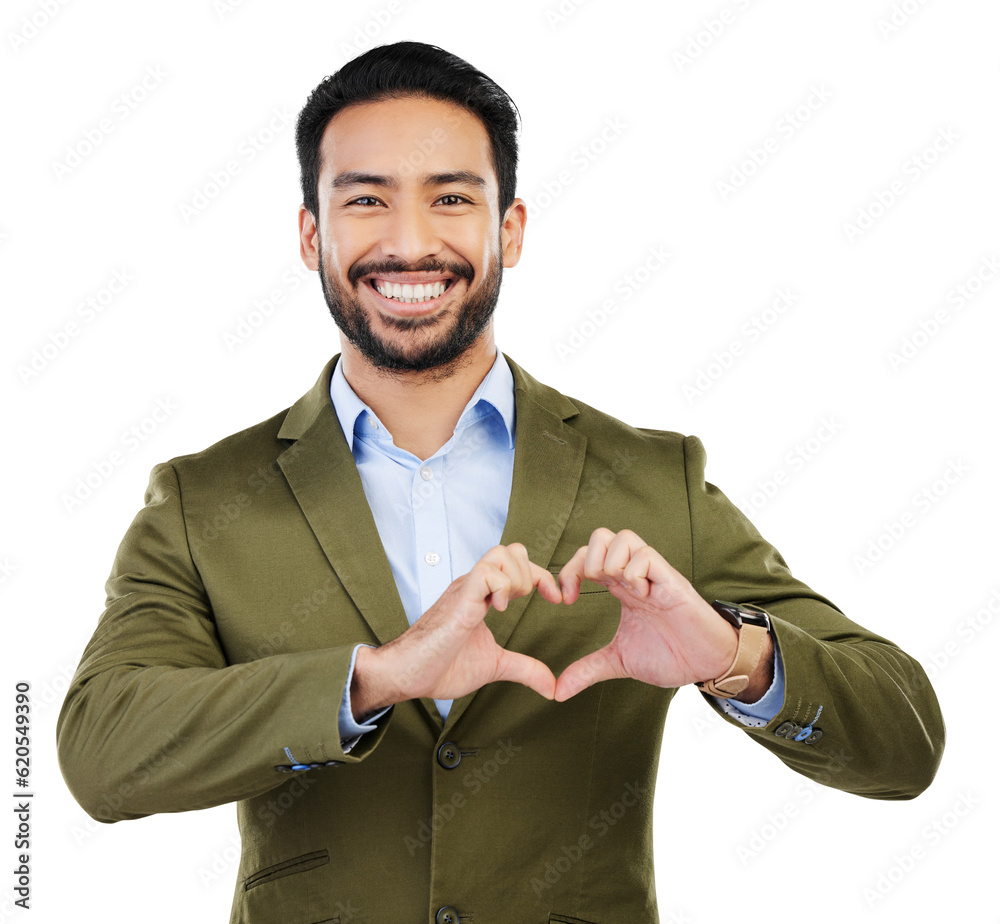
(599, 665)
(526, 670)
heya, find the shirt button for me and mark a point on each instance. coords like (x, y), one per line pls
(373, 423)
(426, 473)
(432, 558)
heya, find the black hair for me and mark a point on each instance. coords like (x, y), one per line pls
(409, 69)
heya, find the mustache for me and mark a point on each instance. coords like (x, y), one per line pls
(462, 270)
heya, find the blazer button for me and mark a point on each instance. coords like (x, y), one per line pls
(788, 730)
(449, 757)
(446, 915)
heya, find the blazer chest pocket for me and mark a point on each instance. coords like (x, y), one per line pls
(565, 633)
(563, 919)
(300, 864)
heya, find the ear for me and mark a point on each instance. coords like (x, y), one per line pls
(512, 232)
(308, 239)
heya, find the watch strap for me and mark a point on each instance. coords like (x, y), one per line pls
(736, 677)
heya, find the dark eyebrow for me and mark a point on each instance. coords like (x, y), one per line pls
(462, 177)
(360, 178)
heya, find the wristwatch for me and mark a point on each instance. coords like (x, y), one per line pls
(752, 625)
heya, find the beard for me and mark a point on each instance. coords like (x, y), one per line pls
(424, 351)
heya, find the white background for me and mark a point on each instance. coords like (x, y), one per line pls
(737, 833)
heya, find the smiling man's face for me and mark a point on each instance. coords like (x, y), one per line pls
(410, 245)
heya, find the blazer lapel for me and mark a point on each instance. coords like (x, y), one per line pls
(321, 472)
(548, 463)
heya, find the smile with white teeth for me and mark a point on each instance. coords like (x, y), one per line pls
(410, 294)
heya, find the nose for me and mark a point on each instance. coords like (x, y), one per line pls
(410, 233)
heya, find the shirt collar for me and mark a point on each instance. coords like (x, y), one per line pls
(495, 394)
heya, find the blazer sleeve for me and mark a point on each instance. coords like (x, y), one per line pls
(156, 720)
(881, 729)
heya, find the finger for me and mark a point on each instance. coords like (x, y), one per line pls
(648, 567)
(546, 583)
(636, 573)
(518, 566)
(620, 554)
(513, 561)
(496, 584)
(523, 669)
(597, 550)
(599, 665)
(571, 574)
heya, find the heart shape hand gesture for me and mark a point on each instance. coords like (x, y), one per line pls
(667, 636)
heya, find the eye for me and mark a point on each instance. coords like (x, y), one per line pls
(459, 200)
(363, 200)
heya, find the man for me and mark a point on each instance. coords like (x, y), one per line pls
(311, 616)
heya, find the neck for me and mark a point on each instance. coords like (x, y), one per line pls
(420, 409)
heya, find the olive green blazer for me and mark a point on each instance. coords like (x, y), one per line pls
(255, 567)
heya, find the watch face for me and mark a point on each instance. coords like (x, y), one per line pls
(737, 613)
(755, 616)
(728, 611)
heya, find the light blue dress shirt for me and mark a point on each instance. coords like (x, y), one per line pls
(437, 517)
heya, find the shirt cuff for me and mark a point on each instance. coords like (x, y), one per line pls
(350, 731)
(758, 714)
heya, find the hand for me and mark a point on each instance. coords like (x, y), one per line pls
(449, 651)
(668, 635)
